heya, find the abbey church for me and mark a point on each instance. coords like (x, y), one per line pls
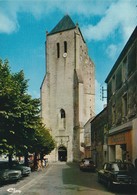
(67, 90)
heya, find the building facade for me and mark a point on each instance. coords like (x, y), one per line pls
(87, 139)
(99, 131)
(68, 89)
(122, 104)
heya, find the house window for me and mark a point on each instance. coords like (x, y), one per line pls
(58, 50)
(132, 61)
(113, 84)
(119, 78)
(124, 101)
(124, 70)
(65, 46)
(113, 114)
(109, 90)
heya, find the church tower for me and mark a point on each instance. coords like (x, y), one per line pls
(68, 90)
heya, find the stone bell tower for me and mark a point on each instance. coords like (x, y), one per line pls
(68, 89)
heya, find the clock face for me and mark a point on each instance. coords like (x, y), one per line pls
(64, 55)
(86, 61)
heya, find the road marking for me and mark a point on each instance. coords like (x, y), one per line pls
(13, 190)
(33, 180)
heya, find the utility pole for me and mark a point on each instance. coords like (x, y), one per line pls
(103, 93)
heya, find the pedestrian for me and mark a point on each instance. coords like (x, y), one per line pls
(43, 163)
(39, 165)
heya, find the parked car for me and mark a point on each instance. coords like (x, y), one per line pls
(87, 164)
(7, 174)
(117, 174)
(25, 170)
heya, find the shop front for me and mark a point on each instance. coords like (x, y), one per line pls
(120, 146)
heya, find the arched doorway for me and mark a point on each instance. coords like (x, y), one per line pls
(62, 153)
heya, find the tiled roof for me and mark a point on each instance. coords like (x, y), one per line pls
(65, 23)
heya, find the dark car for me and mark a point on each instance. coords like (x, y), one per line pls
(87, 164)
(117, 174)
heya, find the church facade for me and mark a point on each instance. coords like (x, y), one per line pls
(67, 90)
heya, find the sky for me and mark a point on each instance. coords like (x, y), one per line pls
(106, 26)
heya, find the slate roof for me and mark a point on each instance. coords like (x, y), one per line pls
(65, 23)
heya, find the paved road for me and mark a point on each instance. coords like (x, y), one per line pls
(59, 179)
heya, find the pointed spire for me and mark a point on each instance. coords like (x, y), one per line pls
(65, 23)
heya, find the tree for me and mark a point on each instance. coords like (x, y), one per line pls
(43, 142)
(20, 124)
(13, 90)
(6, 103)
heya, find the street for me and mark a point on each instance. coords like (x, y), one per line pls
(60, 179)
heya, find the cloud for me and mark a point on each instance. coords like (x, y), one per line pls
(121, 14)
(34, 93)
(86, 7)
(10, 9)
(7, 25)
(112, 15)
(112, 51)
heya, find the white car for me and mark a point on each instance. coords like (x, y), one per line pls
(7, 174)
(24, 169)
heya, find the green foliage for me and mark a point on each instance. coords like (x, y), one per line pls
(20, 122)
(43, 142)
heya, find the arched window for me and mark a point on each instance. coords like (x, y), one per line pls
(65, 46)
(62, 119)
(62, 112)
(58, 50)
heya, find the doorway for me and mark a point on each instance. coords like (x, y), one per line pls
(124, 152)
(62, 153)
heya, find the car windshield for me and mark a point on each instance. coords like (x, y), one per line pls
(15, 163)
(125, 166)
(3, 166)
(87, 161)
(115, 167)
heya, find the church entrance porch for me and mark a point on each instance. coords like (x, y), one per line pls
(62, 153)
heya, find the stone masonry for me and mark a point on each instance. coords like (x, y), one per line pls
(68, 90)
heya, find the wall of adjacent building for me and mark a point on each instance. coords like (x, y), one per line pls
(122, 103)
(98, 142)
